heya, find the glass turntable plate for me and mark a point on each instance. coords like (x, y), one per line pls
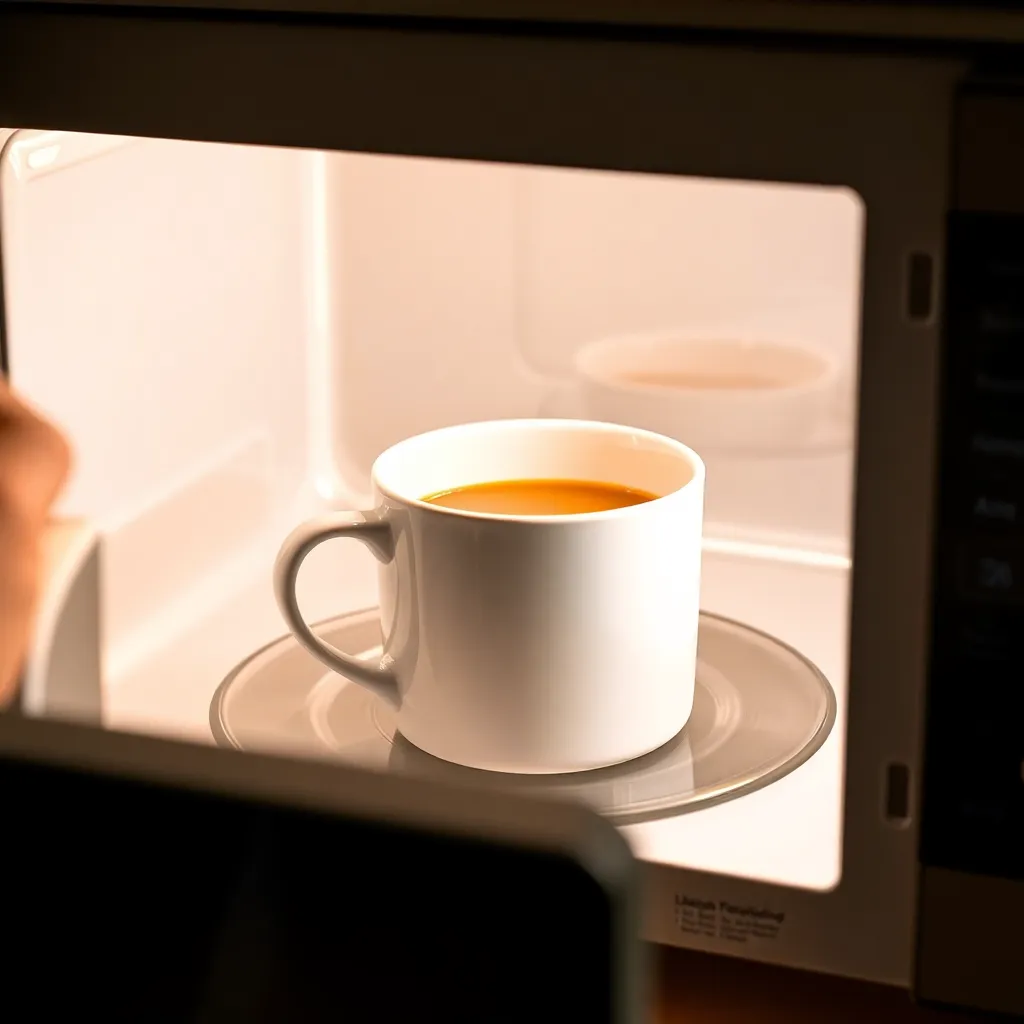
(760, 710)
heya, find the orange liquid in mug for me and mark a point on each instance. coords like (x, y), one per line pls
(539, 497)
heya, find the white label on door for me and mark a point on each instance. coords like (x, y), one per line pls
(720, 919)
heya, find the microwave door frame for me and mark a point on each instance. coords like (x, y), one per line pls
(878, 123)
(5, 135)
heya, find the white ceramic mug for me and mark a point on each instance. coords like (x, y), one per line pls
(526, 643)
(721, 394)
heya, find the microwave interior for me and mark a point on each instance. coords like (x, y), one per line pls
(230, 335)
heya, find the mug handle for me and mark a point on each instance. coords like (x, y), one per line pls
(371, 529)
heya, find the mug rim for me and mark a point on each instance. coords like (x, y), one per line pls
(685, 453)
(583, 364)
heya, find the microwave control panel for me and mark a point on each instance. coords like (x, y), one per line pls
(972, 819)
(970, 890)
(973, 810)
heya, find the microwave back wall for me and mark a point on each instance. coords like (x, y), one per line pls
(245, 252)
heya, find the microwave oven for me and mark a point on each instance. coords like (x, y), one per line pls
(247, 246)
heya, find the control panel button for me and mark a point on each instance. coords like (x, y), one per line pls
(991, 444)
(994, 506)
(991, 572)
(998, 376)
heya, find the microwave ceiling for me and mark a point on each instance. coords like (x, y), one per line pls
(590, 91)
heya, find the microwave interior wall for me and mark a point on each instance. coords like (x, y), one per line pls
(230, 335)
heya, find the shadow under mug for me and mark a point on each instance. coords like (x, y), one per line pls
(528, 644)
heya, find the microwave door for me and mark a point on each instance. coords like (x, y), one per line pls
(258, 316)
